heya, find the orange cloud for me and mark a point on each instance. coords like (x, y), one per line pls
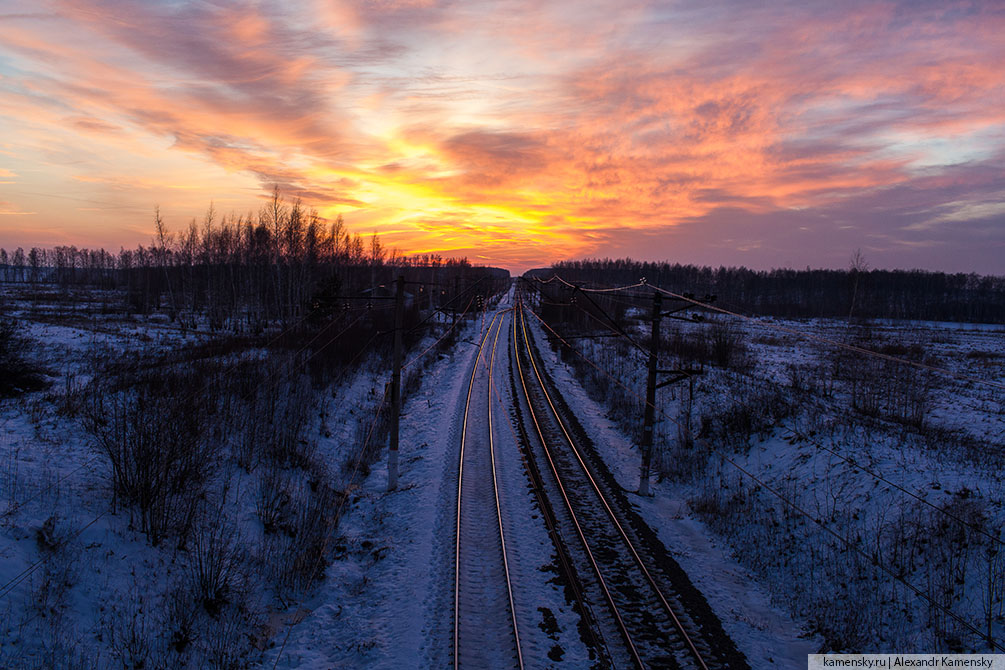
(521, 133)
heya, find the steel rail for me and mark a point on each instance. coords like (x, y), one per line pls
(623, 629)
(610, 512)
(495, 490)
(547, 512)
(460, 485)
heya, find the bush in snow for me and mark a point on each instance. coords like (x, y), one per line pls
(155, 436)
(17, 373)
(300, 517)
(275, 426)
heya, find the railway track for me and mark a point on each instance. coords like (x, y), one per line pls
(643, 611)
(483, 587)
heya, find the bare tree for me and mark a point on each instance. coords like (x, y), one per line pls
(857, 265)
(162, 251)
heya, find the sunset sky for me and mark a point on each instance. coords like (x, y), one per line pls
(766, 134)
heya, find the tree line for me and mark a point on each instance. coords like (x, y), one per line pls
(854, 292)
(245, 272)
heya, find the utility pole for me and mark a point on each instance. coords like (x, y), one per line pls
(652, 386)
(453, 311)
(647, 424)
(399, 318)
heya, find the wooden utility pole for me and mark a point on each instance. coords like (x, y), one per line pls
(650, 409)
(399, 318)
(453, 311)
(652, 386)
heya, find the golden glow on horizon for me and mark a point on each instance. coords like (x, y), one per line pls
(555, 133)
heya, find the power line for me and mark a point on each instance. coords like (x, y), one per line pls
(24, 574)
(611, 289)
(924, 595)
(612, 326)
(880, 477)
(835, 343)
(338, 512)
(19, 505)
(442, 308)
(440, 338)
(851, 462)
(355, 471)
(597, 367)
(854, 547)
(793, 331)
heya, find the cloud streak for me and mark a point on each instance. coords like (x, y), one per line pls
(523, 133)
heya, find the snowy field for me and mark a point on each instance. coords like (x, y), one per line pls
(84, 585)
(863, 494)
(818, 497)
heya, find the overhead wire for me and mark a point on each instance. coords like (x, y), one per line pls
(599, 369)
(612, 325)
(11, 584)
(611, 289)
(440, 338)
(879, 476)
(441, 307)
(792, 331)
(794, 431)
(924, 595)
(834, 343)
(336, 516)
(854, 547)
(577, 595)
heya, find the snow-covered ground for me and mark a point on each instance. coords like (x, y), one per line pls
(763, 632)
(863, 495)
(371, 610)
(54, 487)
(102, 596)
(81, 585)
(387, 601)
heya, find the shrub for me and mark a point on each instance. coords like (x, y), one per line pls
(276, 425)
(154, 437)
(17, 373)
(726, 346)
(299, 552)
(215, 565)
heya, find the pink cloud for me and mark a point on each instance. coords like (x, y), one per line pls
(568, 115)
